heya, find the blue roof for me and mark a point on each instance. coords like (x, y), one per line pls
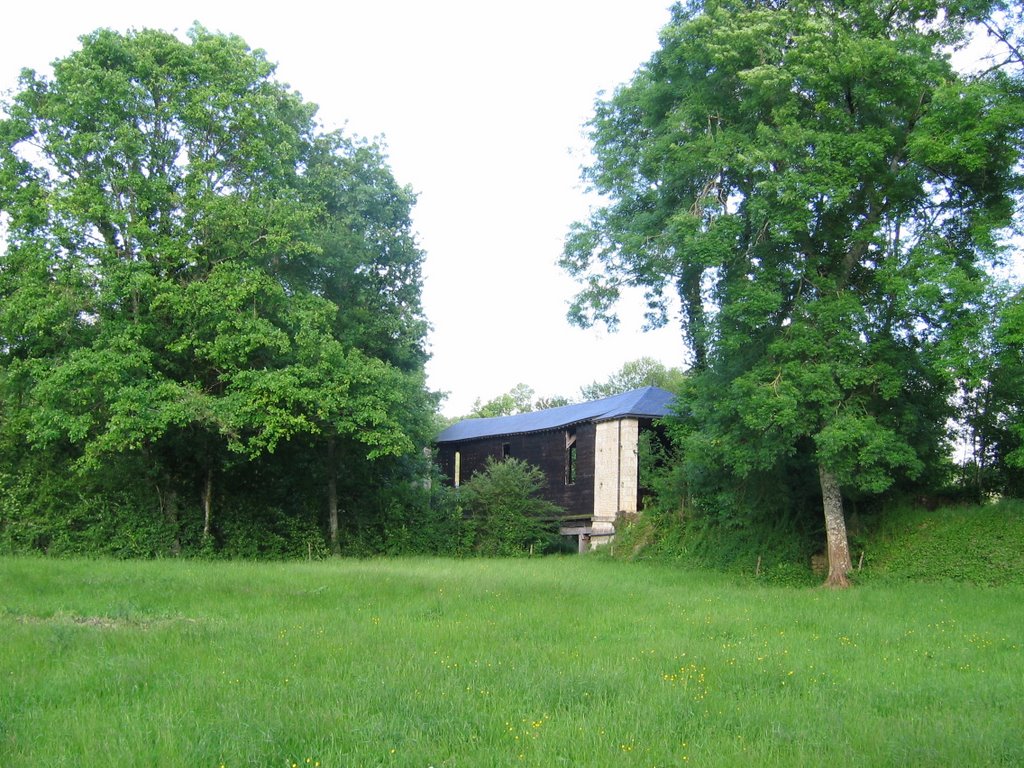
(648, 402)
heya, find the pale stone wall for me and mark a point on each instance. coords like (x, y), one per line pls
(615, 474)
(629, 466)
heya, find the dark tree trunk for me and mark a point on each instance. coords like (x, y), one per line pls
(835, 530)
(332, 498)
(207, 503)
(694, 318)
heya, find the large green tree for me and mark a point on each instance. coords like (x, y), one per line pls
(197, 275)
(821, 192)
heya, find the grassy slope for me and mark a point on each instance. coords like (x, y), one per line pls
(981, 545)
(975, 544)
(560, 661)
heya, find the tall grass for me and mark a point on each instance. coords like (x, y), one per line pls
(561, 661)
(980, 544)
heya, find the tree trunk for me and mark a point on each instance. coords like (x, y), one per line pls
(694, 318)
(332, 498)
(835, 530)
(207, 503)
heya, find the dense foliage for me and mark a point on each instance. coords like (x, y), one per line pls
(993, 405)
(504, 512)
(210, 325)
(822, 193)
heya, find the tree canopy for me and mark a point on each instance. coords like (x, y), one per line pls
(519, 399)
(642, 372)
(199, 283)
(821, 192)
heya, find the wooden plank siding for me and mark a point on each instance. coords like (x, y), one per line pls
(545, 450)
(606, 484)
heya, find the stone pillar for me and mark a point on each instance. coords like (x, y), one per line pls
(616, 470)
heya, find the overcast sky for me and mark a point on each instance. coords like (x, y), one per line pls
(482, 107)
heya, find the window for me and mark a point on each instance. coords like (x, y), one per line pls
(458, 468)
(570, 456)
(506, 450)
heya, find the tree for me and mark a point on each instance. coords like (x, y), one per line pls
(519, 399)
(642, 372)
(993, 407)
(822, 192)
(551, 401)
(1008, 396)
(1004, 30)
(196, 274)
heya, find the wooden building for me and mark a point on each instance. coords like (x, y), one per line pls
(588, 452)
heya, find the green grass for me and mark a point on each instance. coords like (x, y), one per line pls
(544, 662)
(979, 544)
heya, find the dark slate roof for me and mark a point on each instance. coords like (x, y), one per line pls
(648, 402)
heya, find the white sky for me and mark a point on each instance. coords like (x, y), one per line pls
(482, 106)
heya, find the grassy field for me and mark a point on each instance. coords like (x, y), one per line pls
(545, 662)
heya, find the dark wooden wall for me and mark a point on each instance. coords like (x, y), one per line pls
(545, 450)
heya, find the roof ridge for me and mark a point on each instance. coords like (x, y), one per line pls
(633, 402)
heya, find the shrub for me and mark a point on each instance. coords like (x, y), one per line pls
(503, 508)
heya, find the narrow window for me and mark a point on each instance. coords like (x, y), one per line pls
(458, 468)
(506, 450)
(570, 456)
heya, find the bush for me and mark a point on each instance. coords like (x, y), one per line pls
(504, 511)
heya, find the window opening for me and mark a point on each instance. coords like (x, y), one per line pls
(570, 456)
(506, 450)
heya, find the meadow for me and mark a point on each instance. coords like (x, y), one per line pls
(577, 661)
